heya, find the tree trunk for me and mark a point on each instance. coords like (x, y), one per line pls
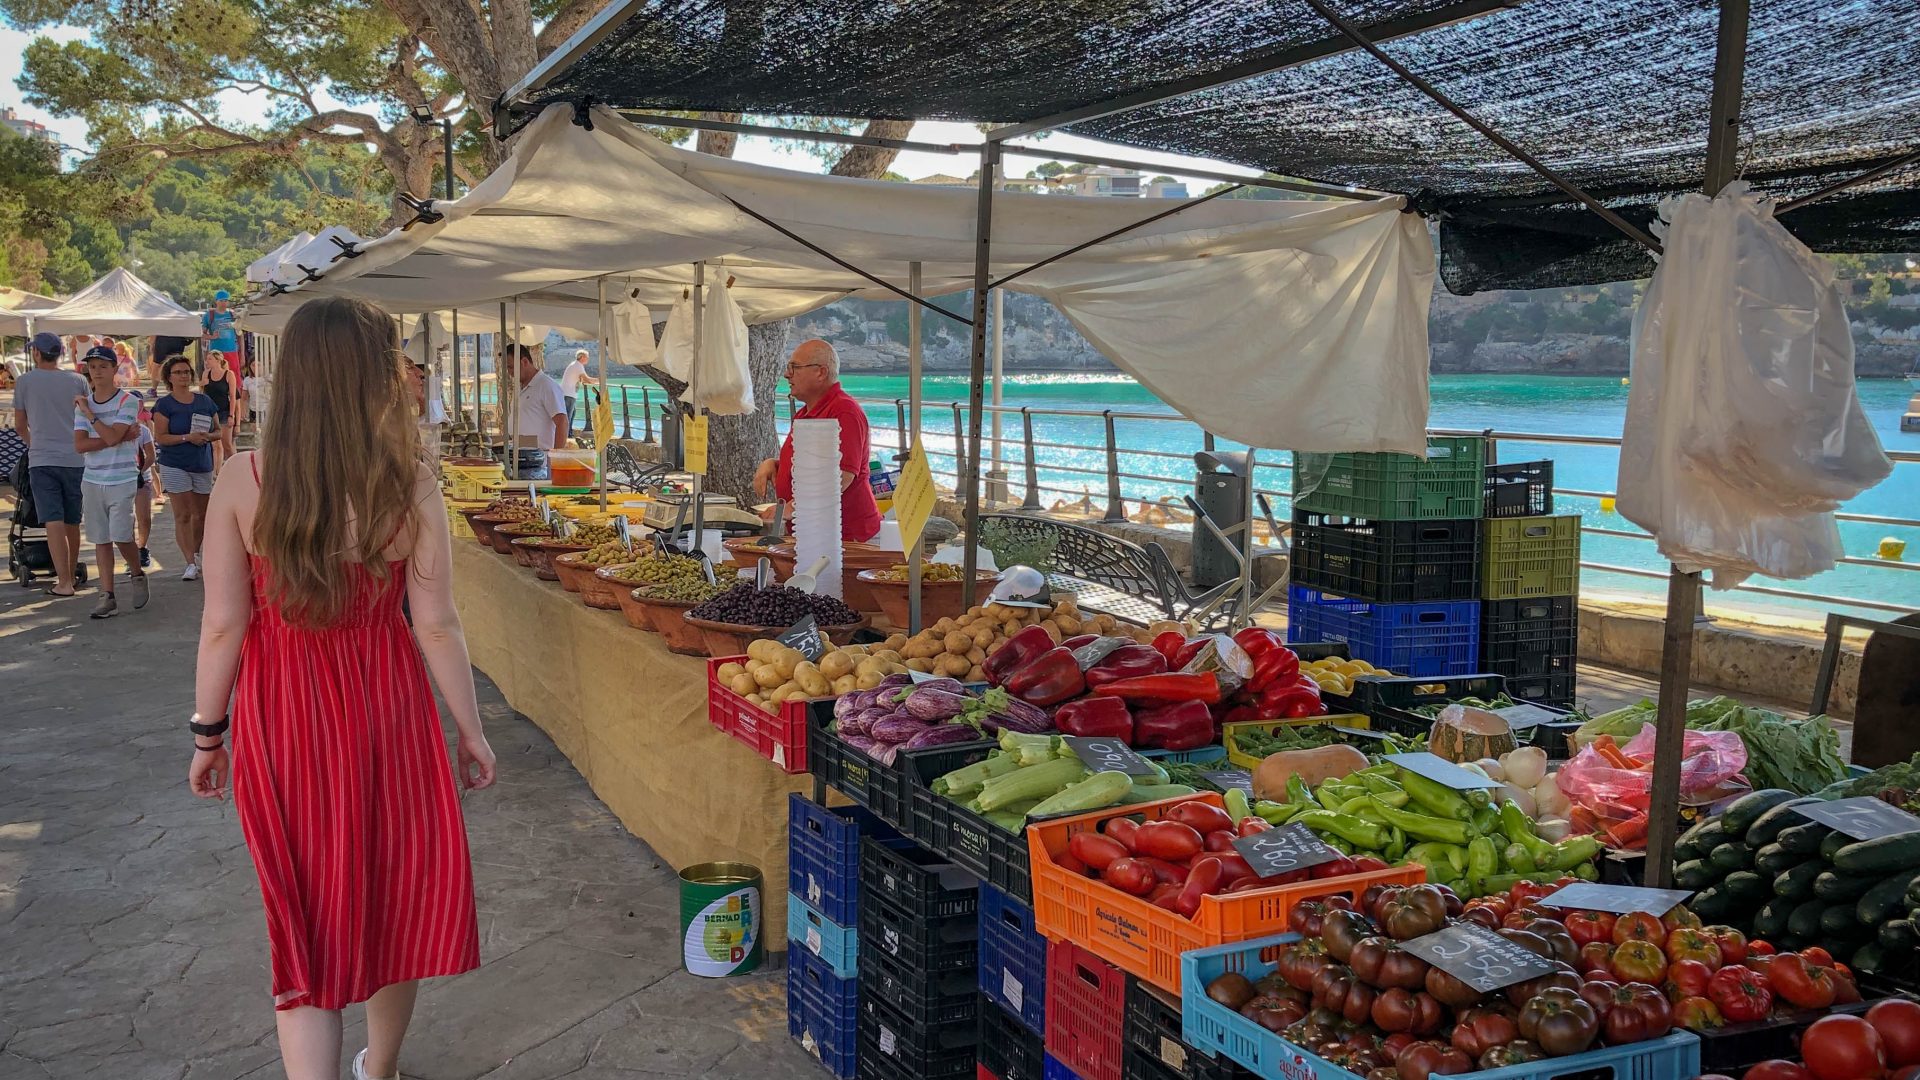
(872, 162)
(736, 445)
(717, 143)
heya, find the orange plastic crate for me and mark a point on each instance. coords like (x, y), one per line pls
(779, 737)
(1147, 941)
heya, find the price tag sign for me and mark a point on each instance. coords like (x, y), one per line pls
(566, 529)
(1233, 658)
(1478, 957)
(1229, 779)
(1621, 899)
(623, 531)
(1283, 849)
(1523, 716)
(1863, 818)
(1108, 755)
(547, 514)
(533, 493)
(1441, 771)
(804, 637)
(913, 496)
(918, 677)
(693, 430)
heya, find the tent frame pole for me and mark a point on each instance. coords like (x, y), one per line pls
(977, 370)
(1184, 204)
(1867, 177)
(454, 360)
(904, 294)
(914, 557)
(600, 327)
(500, 381)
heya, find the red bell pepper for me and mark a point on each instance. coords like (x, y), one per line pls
(1202, 687)
(1126, 662)
(1079, 640)
(1048, 679)
(1258, 641)
(1187, 652)
(1095, 718)
(1181, 725)
(1014, 652)
(1287, 701)
(1168, 643)
(1279, 666)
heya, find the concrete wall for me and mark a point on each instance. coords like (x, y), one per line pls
(1776, 663)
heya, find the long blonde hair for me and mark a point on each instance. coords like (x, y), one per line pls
(340, 460)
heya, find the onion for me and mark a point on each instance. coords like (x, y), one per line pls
(1517, 796)
(1548, 797)
(1525, 767)
(1553, 830)
(1492, 768)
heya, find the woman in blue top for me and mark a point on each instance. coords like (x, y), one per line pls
(185, 427)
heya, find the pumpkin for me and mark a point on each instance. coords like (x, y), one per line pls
(1464, 734)
(1311, 766)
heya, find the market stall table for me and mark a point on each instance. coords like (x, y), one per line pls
(632, 717)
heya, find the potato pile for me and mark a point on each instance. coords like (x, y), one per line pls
(958, 647)
(775, 673)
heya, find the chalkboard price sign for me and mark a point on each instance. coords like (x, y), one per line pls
(1282, 850)
(1863, 818)
(804, 636)
(1108, 755)
(1594, 896)
(1440, 770)
(1228, 779)
(1478, 957)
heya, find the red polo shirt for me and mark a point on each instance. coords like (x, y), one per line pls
(859, 515)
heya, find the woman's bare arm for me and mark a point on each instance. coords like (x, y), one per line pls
(229, 596)
(436, 623)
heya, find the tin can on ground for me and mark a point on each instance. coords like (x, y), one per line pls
(720, 917)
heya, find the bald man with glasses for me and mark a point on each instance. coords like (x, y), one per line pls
(813, 377)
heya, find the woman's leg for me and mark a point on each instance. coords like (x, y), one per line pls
(388, 1012)
(143, 514)
(309, 1043)
(186, 531)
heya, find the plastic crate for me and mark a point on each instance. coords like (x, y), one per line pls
(1086, 1007)
(1320, 650)
(893, 1048)
(1147, 941)
(823, 854)
(835, 945)
(1522, 489)
(1397, 562)
(1390, 701)
(823, 1012)
(1153, 1035)
(1440, 638)
(1214, 1029)
(931, 945)
(926, 999)
(1008, 1051)
(1199, 755)
(1530, 556)
(1736, 1047)
(838, 765)
(1230, 733)
(1446, 483)
(992, 854)
(1555, 690)
(1053, 1069)
(1530, 637)
(915, 880)
(780, 737)
(1013, 959)
(892, 788)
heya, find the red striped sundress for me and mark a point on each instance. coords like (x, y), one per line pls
(347, 801)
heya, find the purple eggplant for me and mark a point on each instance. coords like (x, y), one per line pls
(941, 735)
(860, 743)
(1023, 717)
(892, 682)
(858, 724)
(849, 704)
(885, 753)
(897, 729)
(934, 705)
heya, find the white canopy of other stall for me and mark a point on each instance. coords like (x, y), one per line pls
(118, 304)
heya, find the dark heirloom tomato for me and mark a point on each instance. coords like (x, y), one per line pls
(1424, 1059)
(1485, 916)
(1559, 1022)
(1640, 1012)
(1451, 991)
(1532, 942)
(1416, 911)
(1517, 1052)
(1560, 944)
(1476, 1031)
(1599, 994)
(1403, 1010)
(1299, 961)
(1563, 979)
(1341, 930)
(1374, 897)
(1380, 961)
(1348, 996)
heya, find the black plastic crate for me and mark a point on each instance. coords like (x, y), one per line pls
(1152, 1032)
(930, 945)
(915, 880)
(1556, 690)
(1008, 1049)
(926, 998)
(1522, 489)
(1390, 701)
(1531, 637)
(893, 1047)
(891, 788)
(1736, 1047)
(1387, 562)
(840, 766)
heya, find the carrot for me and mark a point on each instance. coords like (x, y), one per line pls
(1605, 747)
(1628, 833)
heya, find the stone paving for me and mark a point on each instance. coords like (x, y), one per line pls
(132, 944)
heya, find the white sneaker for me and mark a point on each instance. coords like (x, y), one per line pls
(191, 573)
(360, 1069)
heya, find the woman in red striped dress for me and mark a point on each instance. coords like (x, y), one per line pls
(339, 766)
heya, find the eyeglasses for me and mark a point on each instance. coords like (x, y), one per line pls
(791, 368)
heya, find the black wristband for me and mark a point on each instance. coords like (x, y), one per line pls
(209, 731)
(210, 749)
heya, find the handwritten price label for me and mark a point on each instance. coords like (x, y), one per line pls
(1863, 818)
(1478, 957)
(1108, 755)
(1282, 850)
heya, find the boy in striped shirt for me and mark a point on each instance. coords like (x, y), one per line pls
(106, 431)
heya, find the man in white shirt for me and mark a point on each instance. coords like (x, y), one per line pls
(542, 415)
(570, 381)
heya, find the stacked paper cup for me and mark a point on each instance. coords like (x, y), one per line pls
(816, 499)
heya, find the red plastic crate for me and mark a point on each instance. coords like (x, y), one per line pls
(1086, 1011)
(1145, 940)
(779, 737)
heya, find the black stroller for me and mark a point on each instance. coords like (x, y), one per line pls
(27, 553)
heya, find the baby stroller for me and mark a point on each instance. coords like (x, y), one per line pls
(27, 555)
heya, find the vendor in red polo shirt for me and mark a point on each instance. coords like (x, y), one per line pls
(813, 376)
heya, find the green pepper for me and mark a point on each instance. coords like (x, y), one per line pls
(1368, 811)
(1359, 833)
(1486, 821)
(1519, 829)
(1337, 844)
(1519, 859)
(1274, 813)
(1433, 858)
(1380, 785)
(1586, 871)
(1573, 851)
(1483, 859)
(1422, 827)
(1434, 797)
(1499, 883)
(1297, 790)
(1396, 845)
(1238, 808)
(1324, 795)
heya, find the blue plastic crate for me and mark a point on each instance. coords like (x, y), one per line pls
(1013, 958)
(1406, 639)
(1213, 1029)
(823, 855)
(810, 931)
(823, 1012)
(1053, 1070)
(1200, 755)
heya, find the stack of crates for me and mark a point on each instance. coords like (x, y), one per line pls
(1155, 1049)
(1086, 1010)
(918, 963)
(823, 902)
(1387, 555)
(1530, 583)
(1013, 989)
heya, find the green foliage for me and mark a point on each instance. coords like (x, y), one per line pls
(51, 224)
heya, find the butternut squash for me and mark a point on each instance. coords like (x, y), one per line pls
(1311, 766)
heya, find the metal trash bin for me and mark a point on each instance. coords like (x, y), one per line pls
(1220, 487)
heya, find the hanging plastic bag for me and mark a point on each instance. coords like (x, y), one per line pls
(630, 334)
(676, 340)
(723, 382)
(1610, 787)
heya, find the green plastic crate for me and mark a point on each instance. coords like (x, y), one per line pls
(1447, 483)
(1530, 556)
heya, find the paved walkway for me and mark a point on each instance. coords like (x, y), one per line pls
(132, 944)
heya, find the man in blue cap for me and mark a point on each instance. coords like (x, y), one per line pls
(43, 406)
(217, 333)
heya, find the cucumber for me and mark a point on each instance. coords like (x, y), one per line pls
(1887, 899)
(1730, 856)
(1741, 813)
(1838, 921)
(1746, 888)
(1704, 837)
(1712, 902)
(1805, 920)
(1898, 936)
(1796, 884)
(1767, 829)
(1771, 920)
(1775, 858)
(1803, 840)
(1834, 887)
(1832, 843)
(1696, 874)
(1870, 959)
(1688, 846)
(1881, 855)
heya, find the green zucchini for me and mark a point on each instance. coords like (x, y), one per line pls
(1897, 935)
(1834, 887)
(1712, 902)
(1775, 858)
(1771, 920)
(1803, 840)
(1741, 813)
(1870, 959)
(1730, 856)
(1746, 888)
(1831, 844)
(1704, 837)
(1796, 884)
(1881, 855)
(1837, 921)
(1805, 920)
(1768, 827)
(1688, 846)
(1696, 874)
(1887, 899)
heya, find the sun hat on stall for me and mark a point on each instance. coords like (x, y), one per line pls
(46, 344)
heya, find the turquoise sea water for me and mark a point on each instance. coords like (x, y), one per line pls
(1543, 404)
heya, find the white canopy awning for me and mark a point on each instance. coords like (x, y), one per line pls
(14, 324)
(118, 304)
(1280, 323)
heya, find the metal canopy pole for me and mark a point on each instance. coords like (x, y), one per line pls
(999, 378)
(1836, 188)
(513, 390)
(454, 333)
(500, 381)
(1683, 590)
(904, 294)
(693, 380)
(977, 369)
(600, 448)
(913, 441)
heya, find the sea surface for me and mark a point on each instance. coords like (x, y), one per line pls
(1511, 403)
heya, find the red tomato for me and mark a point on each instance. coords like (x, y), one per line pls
(1367, 864)
(1818, 956)
(1095, 850)
(1590, 926)
(1697, 1014)
(1897, 1020)
(1639, 926)
(1733, 944)
(1842, 1047)
(1741, 993)
(1168, 840)
(1638, 961)
(1802, 983)
(1596, 954)
(1679, 917)
(1690, 943)
(1220, 840)
(1130, 876)
(1759, 947)
(1164, 872)
(1689, 978)
(1778, 1069)
(1202, 816)
(1123, 830)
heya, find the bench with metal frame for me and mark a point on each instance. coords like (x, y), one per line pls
(1135, 582)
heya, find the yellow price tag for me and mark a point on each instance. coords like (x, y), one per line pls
(694, 430)
(913, 496)
(602, 423)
